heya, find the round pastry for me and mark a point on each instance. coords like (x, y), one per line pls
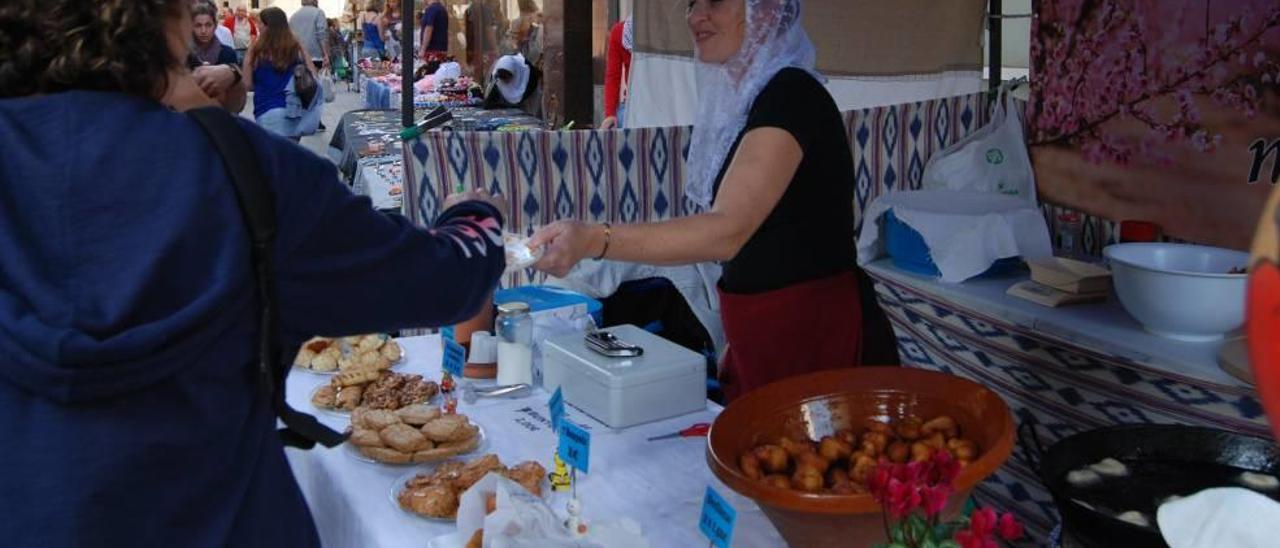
(371, 343)
(391, 351)
(368, 359)
(325, 397)
(418, 415)
(433, 454)
(304, 357)
(529, 475)
(365, 437)
(403, 438)
(377, 419)
(447, 428)
(349, 397)
(324, 362)
(437, 501)
(382, 454)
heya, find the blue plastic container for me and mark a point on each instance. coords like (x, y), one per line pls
(544, 297)
(908, 251)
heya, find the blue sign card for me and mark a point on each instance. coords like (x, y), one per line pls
(455, 357)
(575, 446)
(557, 409)
(447, 333)
(717, 519)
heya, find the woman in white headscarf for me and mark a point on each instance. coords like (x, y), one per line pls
(770, 163)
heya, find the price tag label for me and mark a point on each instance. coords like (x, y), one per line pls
(717, 519)
(575, 446)
(447, 333)
(455, 357)
(557, 409)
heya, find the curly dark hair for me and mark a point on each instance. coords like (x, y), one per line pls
(48, 46)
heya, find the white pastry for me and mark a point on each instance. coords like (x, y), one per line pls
(1083, 477)
(1135, 517)
(1259, 482)
(1110, 467)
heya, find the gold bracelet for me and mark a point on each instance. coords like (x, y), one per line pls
(608, 236)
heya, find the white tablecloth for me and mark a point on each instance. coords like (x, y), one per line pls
(659, 484)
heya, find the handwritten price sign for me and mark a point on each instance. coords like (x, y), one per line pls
(447, 333)
(557, 409)
(455, 357)
(717, 519)
(575, 446)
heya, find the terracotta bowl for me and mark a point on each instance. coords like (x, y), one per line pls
(817, 405)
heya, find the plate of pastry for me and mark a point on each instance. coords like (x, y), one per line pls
(434, 493)
(372, 389)
(415, 434)
(330, 356)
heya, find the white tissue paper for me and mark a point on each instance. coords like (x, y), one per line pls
(522, 520)
(966, 231)
(1224, 516)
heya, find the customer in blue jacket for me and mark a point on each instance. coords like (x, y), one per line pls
(129, 406)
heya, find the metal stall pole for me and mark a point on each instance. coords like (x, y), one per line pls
(406, 62)
(995, 28)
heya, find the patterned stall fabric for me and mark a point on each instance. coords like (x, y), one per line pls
(637, 175)
(1062, 387)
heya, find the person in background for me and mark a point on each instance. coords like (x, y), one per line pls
(373, 28)
(213, 64)
(515, 84)
(311, 28)
(617, 73)
(482, 38)
(223, 33)
(243, 30)
(269, 69)
(434, 36)
(526, 31)
(337, 47)
(129, 330)
(391, 28)
(769, 161)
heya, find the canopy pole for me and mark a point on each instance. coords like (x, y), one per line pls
(407, 54)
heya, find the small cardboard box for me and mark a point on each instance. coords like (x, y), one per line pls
(1070, 276)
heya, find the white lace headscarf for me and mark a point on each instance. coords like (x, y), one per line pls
(629, 33)
(775, 39)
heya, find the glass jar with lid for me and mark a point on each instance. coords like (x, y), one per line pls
(515, 344)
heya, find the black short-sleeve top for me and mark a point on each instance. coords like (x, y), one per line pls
(809, 233)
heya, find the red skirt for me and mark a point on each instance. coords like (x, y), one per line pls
(799, 329)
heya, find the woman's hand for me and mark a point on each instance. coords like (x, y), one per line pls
(609, 123)
(478, 195)
(566, 244)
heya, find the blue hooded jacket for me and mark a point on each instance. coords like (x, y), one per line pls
(129, 406)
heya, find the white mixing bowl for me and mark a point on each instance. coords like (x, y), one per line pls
(1180, 291)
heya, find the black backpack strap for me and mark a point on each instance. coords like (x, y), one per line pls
(257, 204)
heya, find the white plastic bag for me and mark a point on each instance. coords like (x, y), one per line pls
(521, 520)
(327, 84)
(992, 159)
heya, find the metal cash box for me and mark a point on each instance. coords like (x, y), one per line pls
(667, 380)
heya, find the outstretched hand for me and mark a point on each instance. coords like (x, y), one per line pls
(565, 244)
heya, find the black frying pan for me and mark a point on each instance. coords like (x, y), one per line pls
(1195, 449)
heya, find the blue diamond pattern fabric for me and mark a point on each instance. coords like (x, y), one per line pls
(623, 175)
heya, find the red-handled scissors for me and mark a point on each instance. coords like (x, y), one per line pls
(694, 431)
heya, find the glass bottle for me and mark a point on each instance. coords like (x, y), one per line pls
(515, 344)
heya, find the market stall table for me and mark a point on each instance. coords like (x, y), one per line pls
(659, 484)
(1065, 369)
